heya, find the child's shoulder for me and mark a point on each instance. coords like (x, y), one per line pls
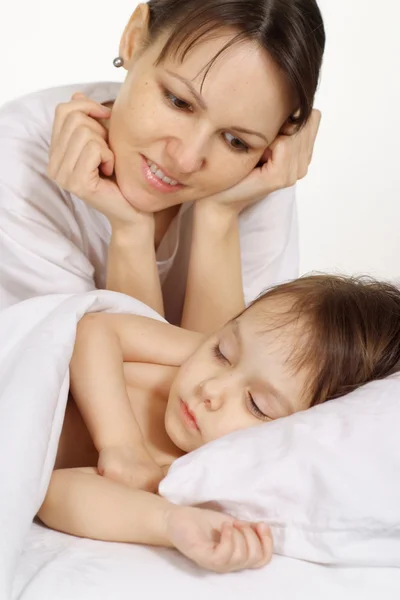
(152, 378)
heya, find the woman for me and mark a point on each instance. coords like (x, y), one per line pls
(210, 93)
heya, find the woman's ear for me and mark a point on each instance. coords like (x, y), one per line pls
(135, 34)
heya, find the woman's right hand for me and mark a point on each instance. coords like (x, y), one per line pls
(216, 541)
(79, 152)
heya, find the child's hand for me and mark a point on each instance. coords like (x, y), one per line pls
(133, 467)
(218, 542)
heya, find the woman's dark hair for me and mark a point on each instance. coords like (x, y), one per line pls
(291, 31)
(349, 330)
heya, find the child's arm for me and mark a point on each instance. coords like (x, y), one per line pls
(103, 343)
(82, 503)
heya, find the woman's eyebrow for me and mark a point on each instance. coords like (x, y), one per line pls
(203, 105)
(191, 87)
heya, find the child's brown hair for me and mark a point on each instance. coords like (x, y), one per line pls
(352, 332)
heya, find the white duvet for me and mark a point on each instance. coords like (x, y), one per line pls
(37, 338)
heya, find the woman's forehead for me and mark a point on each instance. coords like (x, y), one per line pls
(244, 73)
(243, 62)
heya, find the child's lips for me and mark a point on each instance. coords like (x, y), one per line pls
(188, 416)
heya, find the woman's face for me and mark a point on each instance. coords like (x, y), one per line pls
(240, 377)
(195, 138)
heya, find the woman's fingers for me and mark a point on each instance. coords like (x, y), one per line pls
(315, 122)
(71, 146)
(95, 153)
(81, 104)
(79, 155)
(78, 141)
(70, 117)
(282, 169)
(75, 121)
(78, 96)
(292, 154)
(307, 137)
(79, 170)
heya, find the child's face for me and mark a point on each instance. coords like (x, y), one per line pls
(239, 377)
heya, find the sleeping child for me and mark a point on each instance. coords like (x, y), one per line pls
(144, 392)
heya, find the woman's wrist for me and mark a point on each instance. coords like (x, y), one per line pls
(132, 264)
(215, 217)
(127, 235)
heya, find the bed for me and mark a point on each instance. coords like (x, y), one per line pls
(39, 564)
(57, 566)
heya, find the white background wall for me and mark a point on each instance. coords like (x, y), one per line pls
(349, 204)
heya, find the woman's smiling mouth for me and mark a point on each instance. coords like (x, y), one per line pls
(157, 179)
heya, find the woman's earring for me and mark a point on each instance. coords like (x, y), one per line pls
(118, 62)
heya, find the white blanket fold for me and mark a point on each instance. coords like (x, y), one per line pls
(37, 338)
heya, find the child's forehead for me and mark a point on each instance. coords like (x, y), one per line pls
(272, 314)
(273, 344)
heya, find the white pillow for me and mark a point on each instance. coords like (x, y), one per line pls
(327, 480)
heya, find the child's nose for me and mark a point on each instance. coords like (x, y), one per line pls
(215, 392)
(210, 394)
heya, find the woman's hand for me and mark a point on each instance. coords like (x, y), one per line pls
(216, 541)
(284, 162)
(79, 154)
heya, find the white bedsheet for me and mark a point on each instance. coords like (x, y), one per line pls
(54, 566)
(37, 338)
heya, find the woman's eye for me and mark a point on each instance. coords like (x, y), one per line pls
(218, 354)
(175, 101)
(258, 413)
(236, 144)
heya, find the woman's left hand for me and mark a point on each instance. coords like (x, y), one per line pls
(284, 162)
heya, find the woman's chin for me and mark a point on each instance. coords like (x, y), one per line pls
(145, 201)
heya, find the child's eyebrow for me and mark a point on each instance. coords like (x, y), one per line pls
(237, 334)
(283, 400)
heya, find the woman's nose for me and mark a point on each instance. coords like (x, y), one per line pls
(188, 157)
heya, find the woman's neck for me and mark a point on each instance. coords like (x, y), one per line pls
(163, 220)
